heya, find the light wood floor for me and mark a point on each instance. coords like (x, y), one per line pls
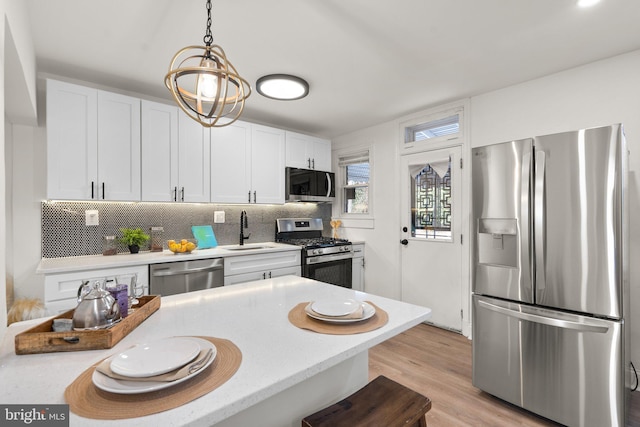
(437, 363)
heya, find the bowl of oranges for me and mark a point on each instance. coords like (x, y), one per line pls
(184, 246)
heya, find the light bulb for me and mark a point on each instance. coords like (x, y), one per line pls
(207, 85)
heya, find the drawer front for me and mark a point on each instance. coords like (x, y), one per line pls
(260, 262)
(61, 290)
(261, 275)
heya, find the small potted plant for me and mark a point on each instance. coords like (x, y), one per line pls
(133, 238)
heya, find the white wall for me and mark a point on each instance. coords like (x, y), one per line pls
(18, 72)
(382, 251)
(597, 94)
(29, 189)
(3, 182)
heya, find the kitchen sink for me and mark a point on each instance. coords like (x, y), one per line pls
(247, 247)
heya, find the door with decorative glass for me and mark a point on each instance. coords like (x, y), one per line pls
(431, 234)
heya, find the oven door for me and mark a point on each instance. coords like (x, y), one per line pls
(335, 269)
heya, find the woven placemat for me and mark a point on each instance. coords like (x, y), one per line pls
(298, 317)
(87, 400)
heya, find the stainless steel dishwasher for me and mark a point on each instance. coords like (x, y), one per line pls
(185, 276)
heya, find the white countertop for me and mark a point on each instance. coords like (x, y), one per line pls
(95, 262)
(276, 355)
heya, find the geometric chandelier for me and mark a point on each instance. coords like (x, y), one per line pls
(205, 85)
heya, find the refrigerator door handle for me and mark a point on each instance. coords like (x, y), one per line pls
(545, 320)
(539, 225)
(525, 229)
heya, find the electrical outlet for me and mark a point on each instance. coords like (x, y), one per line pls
(92, 217)
(218, 217)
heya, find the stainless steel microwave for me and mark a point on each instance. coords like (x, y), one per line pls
(305, 185)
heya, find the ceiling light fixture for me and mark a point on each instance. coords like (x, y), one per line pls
(282, 86)
(587, 3)
(205, 84)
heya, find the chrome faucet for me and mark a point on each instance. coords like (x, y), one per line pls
(244, 223)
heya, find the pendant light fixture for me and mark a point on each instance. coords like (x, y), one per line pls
(205, 85)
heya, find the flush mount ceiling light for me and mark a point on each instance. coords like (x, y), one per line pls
(587, 3)
(205, 84)
(282, 87)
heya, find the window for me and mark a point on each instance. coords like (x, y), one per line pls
(431, 200)
(441, 127)
(356, 171)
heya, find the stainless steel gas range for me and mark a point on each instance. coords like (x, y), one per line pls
(323, 258)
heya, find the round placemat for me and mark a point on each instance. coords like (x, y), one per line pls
(87, 400)
(298, 317)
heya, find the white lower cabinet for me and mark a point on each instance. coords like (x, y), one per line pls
(357, 278)
(61, 289)
(245, 268)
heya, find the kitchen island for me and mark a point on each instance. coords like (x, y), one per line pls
(286, 372)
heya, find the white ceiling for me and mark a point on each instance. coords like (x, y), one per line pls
(367, 61)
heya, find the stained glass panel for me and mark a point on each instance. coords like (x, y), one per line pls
(431, 203)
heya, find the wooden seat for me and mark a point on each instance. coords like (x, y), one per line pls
(381, 403)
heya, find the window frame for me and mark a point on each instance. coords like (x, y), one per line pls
(435, 142)
(352, 219)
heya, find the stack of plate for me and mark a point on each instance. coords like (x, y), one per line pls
(340, 311)
(147, 367)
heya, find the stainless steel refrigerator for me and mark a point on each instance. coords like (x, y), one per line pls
(550, 283)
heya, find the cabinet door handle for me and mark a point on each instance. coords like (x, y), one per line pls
(182, 195)
(92, 194)
(249, 197)
(313, 163)
(309, 162)
(175, 194)
(254, 197)
(269, 275)
(102, 190)
(264, 276)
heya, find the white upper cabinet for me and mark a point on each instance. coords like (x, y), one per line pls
(231, 163)
(72, 141)
(118, 147)
(267, 164)
(159, 152)
(194, 157)
(175, 156)
(93, 144)
(247, 164)
(106, 146)
(307, 152)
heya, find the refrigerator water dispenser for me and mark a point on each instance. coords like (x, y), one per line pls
(498, 242)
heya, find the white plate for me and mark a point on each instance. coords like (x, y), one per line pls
(369, 311)
(113, 385)
(155, 358)
(335, 307)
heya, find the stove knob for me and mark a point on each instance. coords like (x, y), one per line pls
(316, 251)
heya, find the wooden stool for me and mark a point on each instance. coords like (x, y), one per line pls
(381, 403)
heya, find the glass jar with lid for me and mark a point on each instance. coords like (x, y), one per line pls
(109, 245)
(156, 239)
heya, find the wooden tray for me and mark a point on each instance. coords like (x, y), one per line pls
(42, 339)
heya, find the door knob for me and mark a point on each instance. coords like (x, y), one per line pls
(404, 242)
